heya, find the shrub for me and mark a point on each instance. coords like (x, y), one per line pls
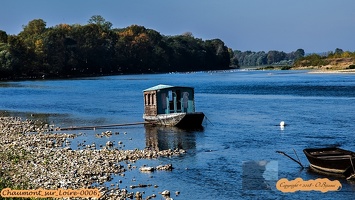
(269, 67)
(286, 67)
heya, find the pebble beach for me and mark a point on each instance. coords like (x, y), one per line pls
(33, 157)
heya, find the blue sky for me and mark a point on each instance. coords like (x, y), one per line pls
(256, 25)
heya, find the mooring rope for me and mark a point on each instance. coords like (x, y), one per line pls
(283, 153)
(208, 120)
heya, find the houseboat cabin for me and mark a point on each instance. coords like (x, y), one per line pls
(171, 106)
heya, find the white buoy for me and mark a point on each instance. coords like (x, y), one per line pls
(282, 123)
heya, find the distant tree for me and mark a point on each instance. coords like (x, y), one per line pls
(275, 56)
(32, 38)
(234, 60)
(261, 59)
(6, 60)
(92, 49)
(250, 58)
(101, 22)
(34, 27)
(60, 50)
(188, 34)
(299, 54)
(338, 51)
(218, 54)
(3, 37)
(18, 52)
(32, 34)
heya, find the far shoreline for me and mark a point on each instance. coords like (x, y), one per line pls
(78, 76)
(343, 71)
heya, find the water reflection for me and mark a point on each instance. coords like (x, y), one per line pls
(9, 85)
(163, 137)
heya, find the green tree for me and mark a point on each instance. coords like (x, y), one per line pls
(338, 51)
(6, 60)
(95, 49)
(60, 50)
(139, 50)
(275, 56)
(18, 52)
(34, 27)
(101, 22)
(299, 53)
(217, 54)
(3, 37)
(32, 38)
(234, 60)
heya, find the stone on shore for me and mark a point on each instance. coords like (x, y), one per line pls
(146, 169)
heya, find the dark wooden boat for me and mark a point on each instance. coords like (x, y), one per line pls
(334, 160)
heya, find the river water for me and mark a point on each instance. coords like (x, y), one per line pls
(233, 156)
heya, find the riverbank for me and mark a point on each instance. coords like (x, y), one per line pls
(31, 157)
(350, 71)
(328, 69)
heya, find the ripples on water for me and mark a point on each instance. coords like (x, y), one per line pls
(233, 157)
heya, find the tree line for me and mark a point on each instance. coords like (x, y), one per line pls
(250, 58)
(97, 48)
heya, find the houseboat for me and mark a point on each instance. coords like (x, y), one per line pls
(171, 106)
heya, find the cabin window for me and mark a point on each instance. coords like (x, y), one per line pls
(153, 99)
(149, 99)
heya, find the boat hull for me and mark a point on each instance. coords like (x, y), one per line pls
(333, 160)
(182, 120)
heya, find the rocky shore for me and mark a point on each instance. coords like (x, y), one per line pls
(32, 157)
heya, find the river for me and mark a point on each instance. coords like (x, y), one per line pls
(234, 155)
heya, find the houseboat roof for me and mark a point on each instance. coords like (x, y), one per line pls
(161, 86)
